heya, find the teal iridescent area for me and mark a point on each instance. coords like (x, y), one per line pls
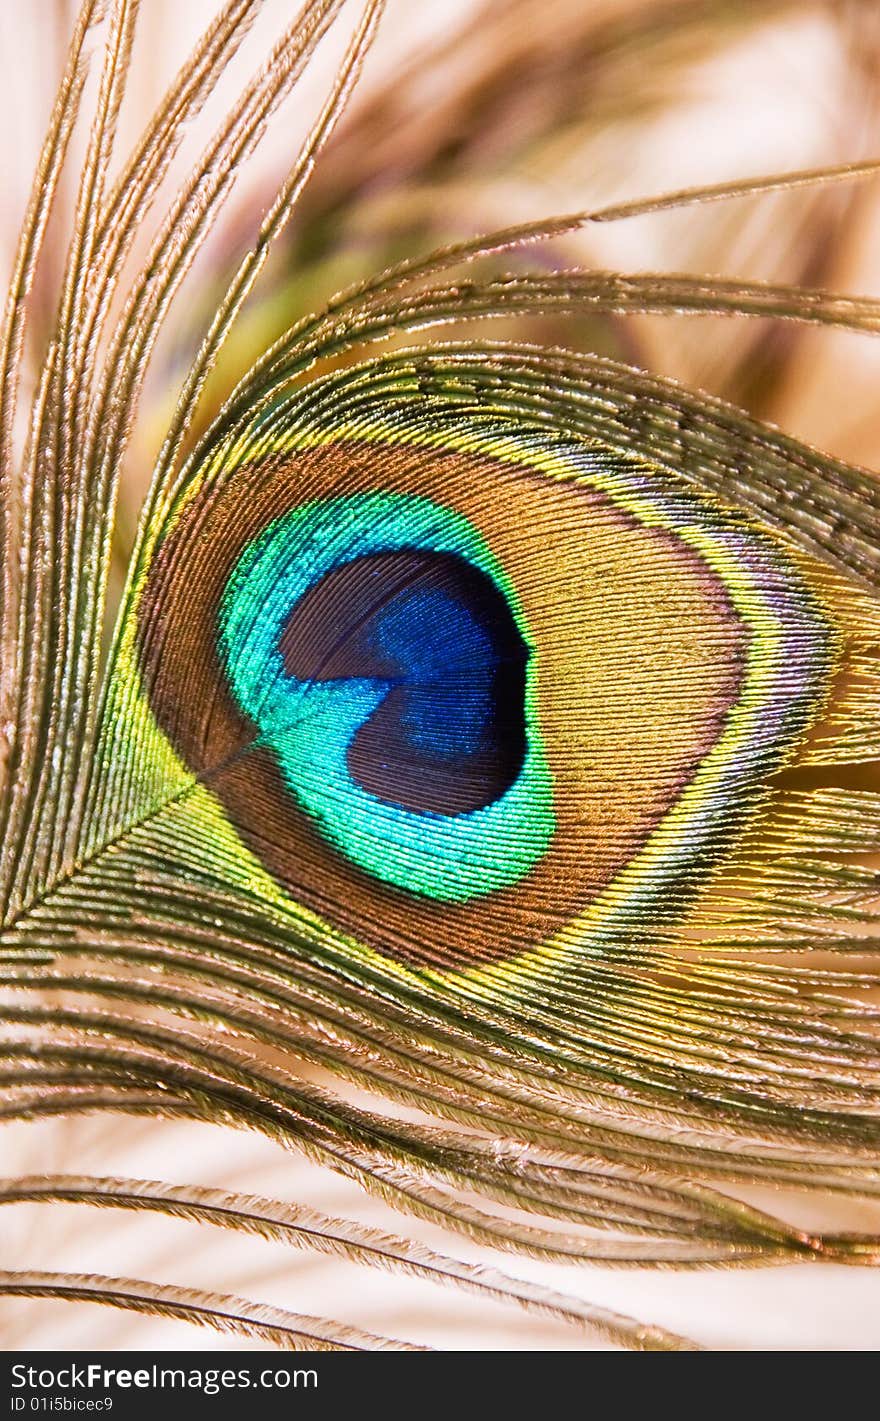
(376, 644)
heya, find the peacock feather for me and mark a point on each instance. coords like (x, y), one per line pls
(473, 789)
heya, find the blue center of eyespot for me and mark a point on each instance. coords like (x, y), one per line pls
(449, 664)
(437, 635)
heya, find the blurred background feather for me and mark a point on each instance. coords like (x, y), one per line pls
(471, 117)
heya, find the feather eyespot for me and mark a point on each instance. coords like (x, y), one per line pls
(466, 699)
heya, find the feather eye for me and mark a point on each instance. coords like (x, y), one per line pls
(478, 728)
(474, 692)
(503, 715)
